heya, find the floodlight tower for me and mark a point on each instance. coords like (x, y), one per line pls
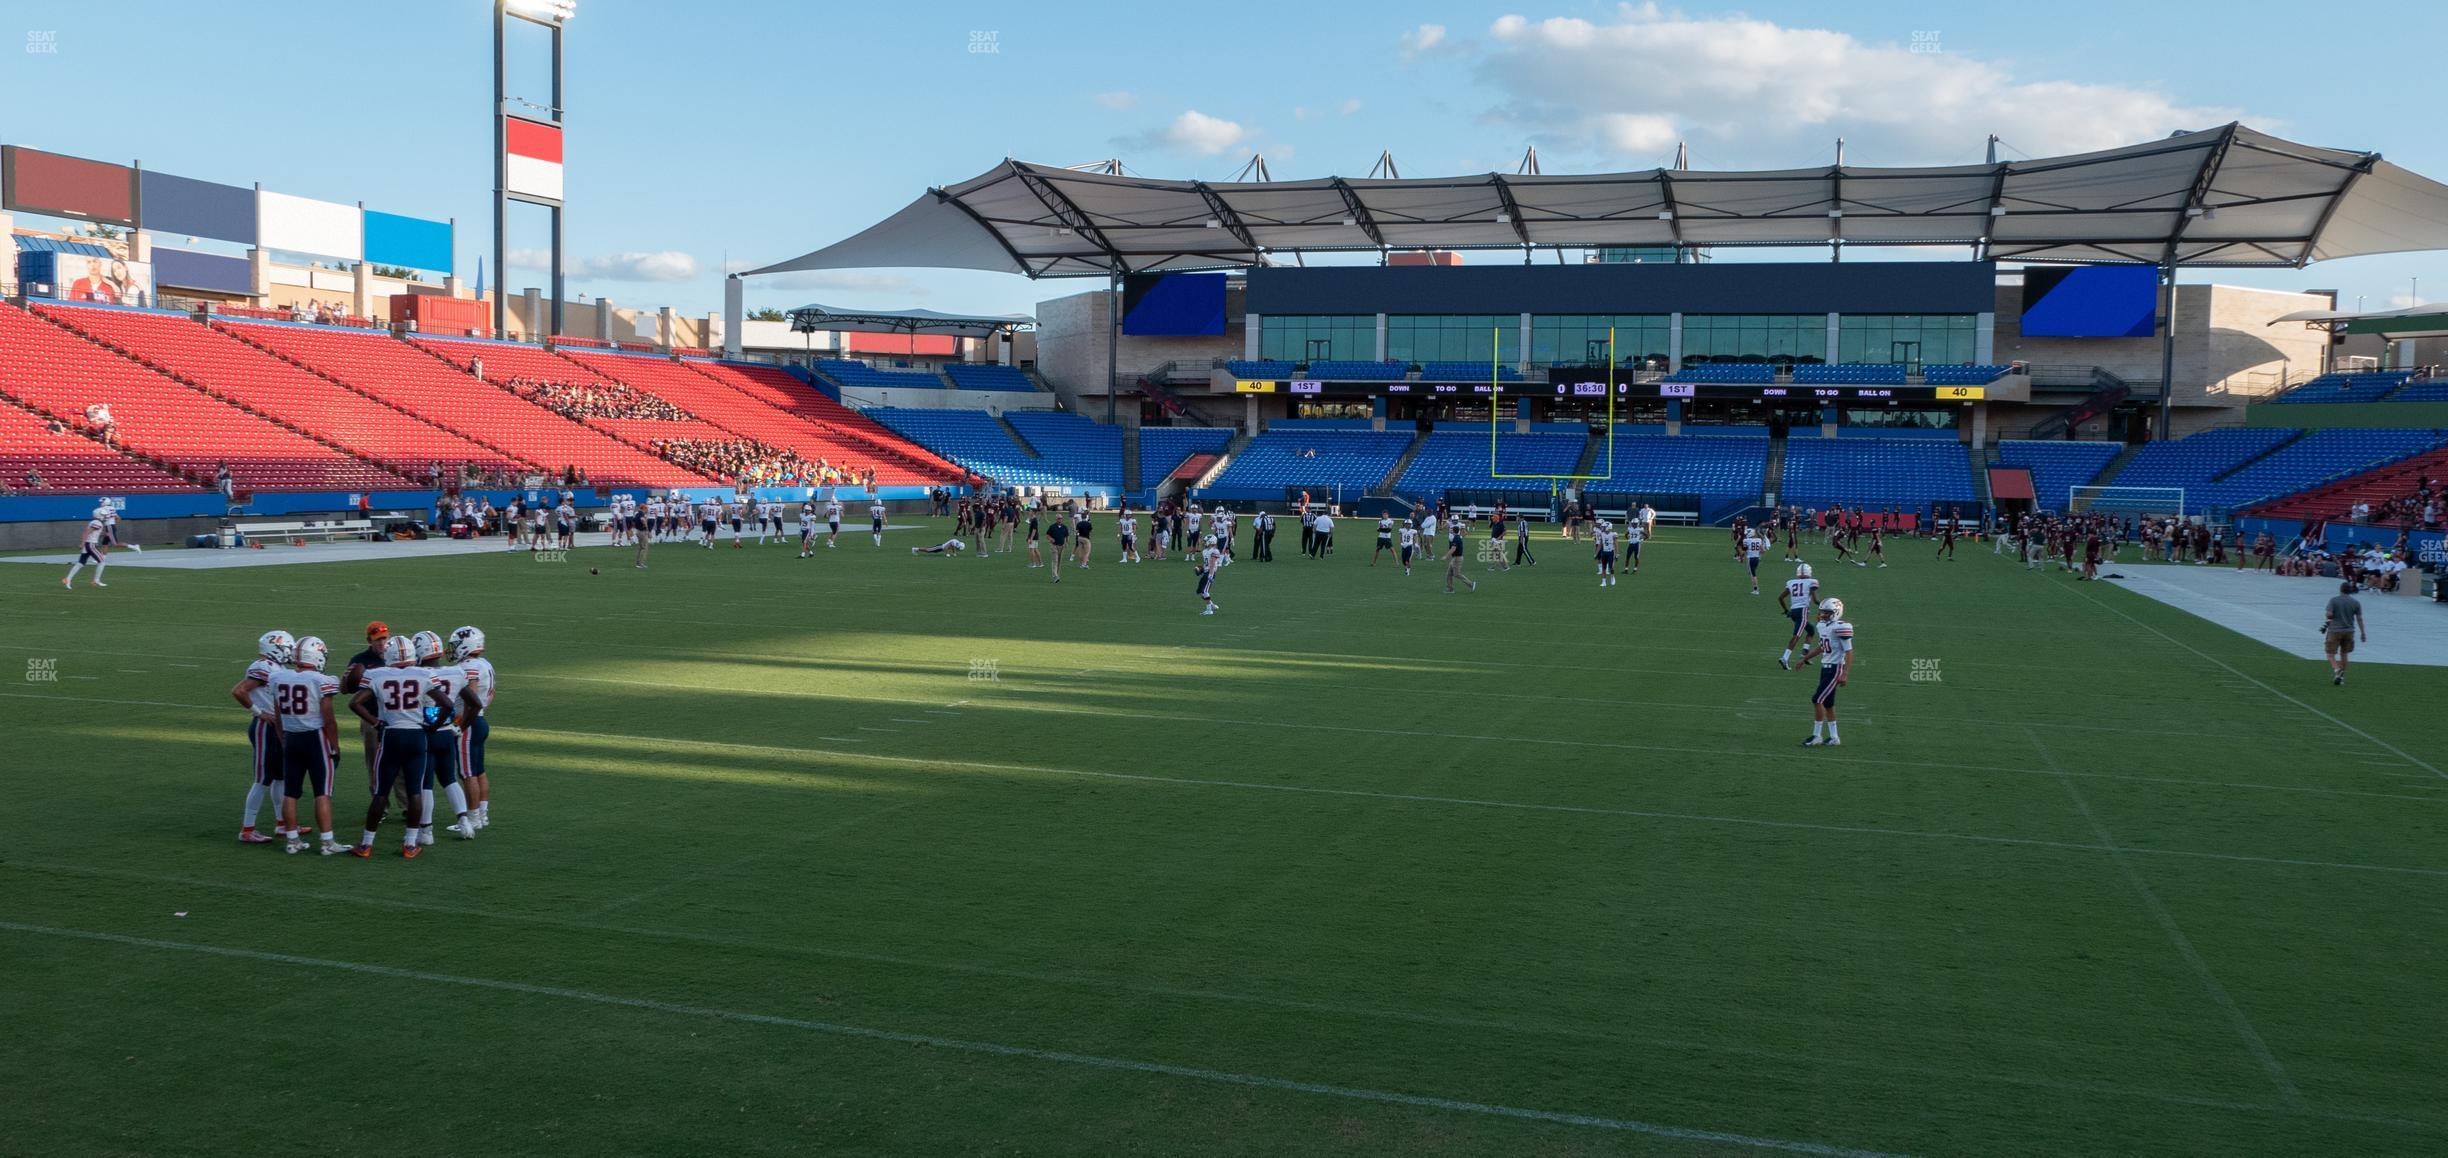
(526, 150)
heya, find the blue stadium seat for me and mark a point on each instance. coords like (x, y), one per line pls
(976, 442)
(1343, 370)
(1851, 374)
(1465, 372)
(1162, 449)
(2190, 462)
(2058, 467)
(1876, 472)
(988, 376)
(853, 373)
(2356, 387)
(1718, 469)
(2316, 458)
(1072, 445)
(1321, 460)
(1458, 460)
(1261, 368)
(1747, 373)
(1962, 375)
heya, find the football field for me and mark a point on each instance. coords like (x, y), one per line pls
(881, 854)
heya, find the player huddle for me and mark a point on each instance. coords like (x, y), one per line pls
(420, 702)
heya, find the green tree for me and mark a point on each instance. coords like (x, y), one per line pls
(399, 272)
(768, 314)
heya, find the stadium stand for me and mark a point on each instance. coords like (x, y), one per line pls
(898, 460)
(417, 381)
(1902, 472)
(975, 441)
(988, 376)
(1718, 470)
(2423, 390)
(1322, 460)
(2192, 461)
(1851, 374)
(1458, 460)
(2319, 457)
(1465, 372)
(61, 373)
(1347, 370)
(1747, 373)
(1162, 449)
(245, 376)
(2392, 485)
(1076, 446)
(848, 372)
(2357, 387)
(1261, 368)
(2058, 467)
(506, 361)
(67, 461)
(1962, 375)
(743, 416)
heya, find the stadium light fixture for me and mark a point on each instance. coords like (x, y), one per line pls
(1215, 223)
(543, 11)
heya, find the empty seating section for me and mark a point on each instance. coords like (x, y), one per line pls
(1875, 472)
(396, 372)
(2191, 462)
(1321, 460)
(1748, 373)
(68, 461)
(507, 361)
(1071, 444)
(898, 461)
(1162, 449)
(1962, 375)
(159, 417)
(1851, 374)
(974, 440)
(1465, 372)
(1654, 464)
(1261, 367)
(2378, 487)
(1459, 460)
(853, 373)
(2357, 387)
(240, 373)
(988, 376)
(1346, 370)
(2318, 457)
(2058, 467)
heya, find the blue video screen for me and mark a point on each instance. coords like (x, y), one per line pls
(1173, 304)
(2090, 301)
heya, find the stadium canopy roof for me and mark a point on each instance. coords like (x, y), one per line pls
(830, 319)
(2412, 322)
(2228, 196)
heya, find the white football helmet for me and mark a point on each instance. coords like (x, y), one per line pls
(1802, 572)
(1832, 607)
(277, 646)
(428, 645)
(467, 642)
(398, 651)
(311, 654)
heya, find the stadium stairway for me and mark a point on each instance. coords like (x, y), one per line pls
(116, 330)
(2116, 466)
(1385, 486)
(1979, 458)
(1772, 480)
(1590, 450)
(1130, 458)
(1013, 433)
(1224, 458)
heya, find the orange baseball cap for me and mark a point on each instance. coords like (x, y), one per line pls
(377, 629)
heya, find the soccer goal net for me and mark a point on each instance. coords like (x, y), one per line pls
(2166, 502)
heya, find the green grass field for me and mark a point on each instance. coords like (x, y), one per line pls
(1354, 867)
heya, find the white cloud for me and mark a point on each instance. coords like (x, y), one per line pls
(1117, 99)
(1304, 113)
(662, 265)
(1193, 131)
(1425, 38)
(1750, 92)
(1349, 107)
(2402, 301)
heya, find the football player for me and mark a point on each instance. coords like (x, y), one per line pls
(1752, 545)
(1834, 651)
(947, 547)
(833, 513)
(1210, 561)
(1605, 535)
(875, 520)
(310, 742)
(807, 529)
(467, 646)
(1126, 534)
(455, 703)
(1635, 529)
(101, 534)
(393, 698)
(253, 691)
(1800, 592)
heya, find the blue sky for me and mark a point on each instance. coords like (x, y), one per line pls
(755, 130)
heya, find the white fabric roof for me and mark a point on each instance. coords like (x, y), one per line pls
(2229, 196)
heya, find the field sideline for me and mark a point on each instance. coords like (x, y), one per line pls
(880, 854)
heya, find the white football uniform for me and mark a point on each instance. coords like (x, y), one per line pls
(449, 681)
(399, 695)
(260, 701)
(479, 673)
(300, 696)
